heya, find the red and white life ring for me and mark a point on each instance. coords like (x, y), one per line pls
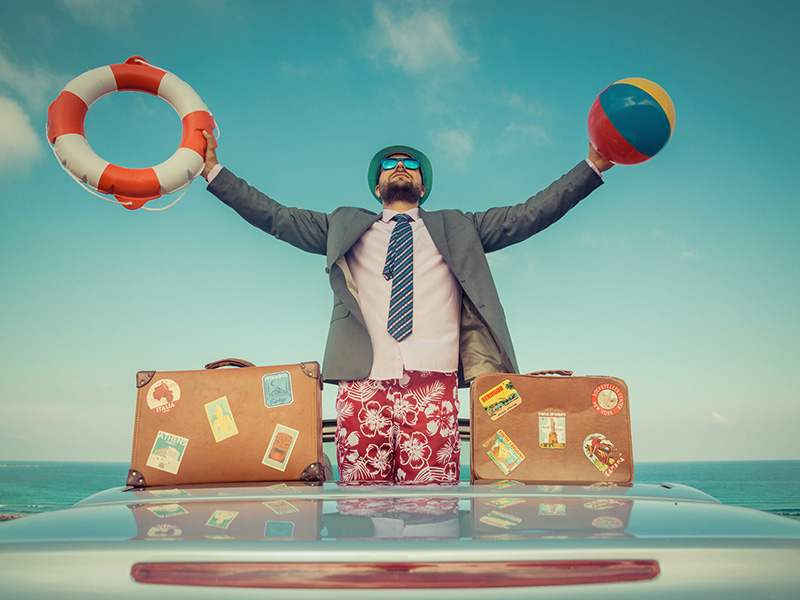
(131, 187)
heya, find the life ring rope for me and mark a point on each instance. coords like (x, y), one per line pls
(113, 200)
(131, 188)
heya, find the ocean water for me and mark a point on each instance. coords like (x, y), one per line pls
(771, 486)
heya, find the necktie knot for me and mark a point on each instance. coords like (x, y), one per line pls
(401, 218)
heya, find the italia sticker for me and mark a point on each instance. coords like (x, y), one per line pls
(607, 399)
(603, 454)
(163, 395)
(164, 532)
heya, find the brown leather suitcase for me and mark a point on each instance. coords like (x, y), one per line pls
(225, 425)
(550, 427)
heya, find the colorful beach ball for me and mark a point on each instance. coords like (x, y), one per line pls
(631, 121)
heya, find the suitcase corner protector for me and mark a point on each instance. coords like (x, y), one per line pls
(135, 479)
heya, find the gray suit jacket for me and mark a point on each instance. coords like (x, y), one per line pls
(462, 238)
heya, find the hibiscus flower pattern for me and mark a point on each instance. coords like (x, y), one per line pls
(399, 430)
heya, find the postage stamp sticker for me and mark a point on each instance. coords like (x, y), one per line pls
(280, 447)
(277, 389)
(222, 518)
(503, 452)
(500, 399)
(167, 452)
(552, 430)
(220, 418)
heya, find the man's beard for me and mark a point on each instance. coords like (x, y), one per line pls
(400, 189)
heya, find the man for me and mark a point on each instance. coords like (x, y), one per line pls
(416, 312)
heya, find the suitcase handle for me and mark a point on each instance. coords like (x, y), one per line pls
(556, 372)
(229, 362)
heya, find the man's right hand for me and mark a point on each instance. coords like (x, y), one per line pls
(211, 154)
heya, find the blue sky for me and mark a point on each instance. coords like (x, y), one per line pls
(679, 275)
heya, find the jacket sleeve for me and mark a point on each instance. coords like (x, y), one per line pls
(304, 229)
(502, 226)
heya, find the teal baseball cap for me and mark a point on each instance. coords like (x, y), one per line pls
(375, 168)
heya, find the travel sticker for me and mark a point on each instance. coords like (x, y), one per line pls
(500, 399)
(277, 389)
(163, 395)
(282, 488)
(281, 507)
(504, 502)
(603, 454)
(221, 419)
(607, 523)
(173, 493)
(222, 518)
(608, 399)
(164, 532)
(167, 510)
(552, 430)
(500, 519)
(552, 509)
(504, 483)
(279, 529)
(280, 447)
(503, 452)
(167, 452)
(603, 504)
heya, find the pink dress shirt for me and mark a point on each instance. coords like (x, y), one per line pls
(433, 343)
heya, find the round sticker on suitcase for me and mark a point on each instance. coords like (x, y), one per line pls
(163, 395)
(607, 399)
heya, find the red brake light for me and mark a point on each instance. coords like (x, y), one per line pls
(337, 575)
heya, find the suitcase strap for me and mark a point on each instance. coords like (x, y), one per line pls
(556, 372)
(229, 362)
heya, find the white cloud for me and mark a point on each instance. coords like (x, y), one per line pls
(516, 101)
(601, 241)
(454, 145)
(674, 244)
(21, 144)
(531, 133)
(105, 14)
(416, 40)
(35, 85)
(718, 418)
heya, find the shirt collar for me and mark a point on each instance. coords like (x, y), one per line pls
(388, 213)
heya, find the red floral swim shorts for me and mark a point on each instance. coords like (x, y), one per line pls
(399, 430)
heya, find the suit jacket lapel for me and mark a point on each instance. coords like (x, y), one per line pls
(435, 225)
(346, 235)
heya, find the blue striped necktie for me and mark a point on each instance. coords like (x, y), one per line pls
(399, 268)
